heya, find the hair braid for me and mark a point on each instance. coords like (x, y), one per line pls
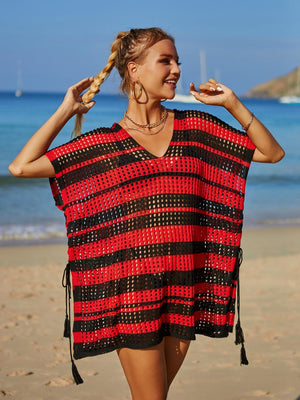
(98, 80)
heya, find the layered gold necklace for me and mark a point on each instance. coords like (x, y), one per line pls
(161, 122)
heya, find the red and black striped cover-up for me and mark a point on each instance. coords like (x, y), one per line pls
(152, 241)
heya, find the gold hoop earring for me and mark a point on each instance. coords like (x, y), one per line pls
(133, 94)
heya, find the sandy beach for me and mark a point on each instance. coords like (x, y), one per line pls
(35, 358)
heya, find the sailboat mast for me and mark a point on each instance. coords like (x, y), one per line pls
(19, 91)
(203, 66)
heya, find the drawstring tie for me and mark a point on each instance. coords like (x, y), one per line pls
(239, 335)
(66, 283)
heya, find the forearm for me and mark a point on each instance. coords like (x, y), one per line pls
(268, 149)
(23, 165)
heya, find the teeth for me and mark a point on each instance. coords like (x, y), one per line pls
(174, 82)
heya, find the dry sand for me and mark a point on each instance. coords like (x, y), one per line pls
(35, 359)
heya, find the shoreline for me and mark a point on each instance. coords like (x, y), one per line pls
(279, 239)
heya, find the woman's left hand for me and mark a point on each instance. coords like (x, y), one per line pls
(213, 93)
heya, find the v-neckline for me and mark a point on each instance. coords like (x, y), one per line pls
(143, 149)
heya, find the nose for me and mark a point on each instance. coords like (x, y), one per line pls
(175, 68)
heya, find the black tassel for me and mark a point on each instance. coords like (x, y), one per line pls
(77, 378)
(239, 335)
(66, 283)
(244, 360)
(67, 332)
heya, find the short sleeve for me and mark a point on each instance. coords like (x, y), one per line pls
(71, 158)
(57, 157)
(224, 153)
(64, 158)
(224, 138)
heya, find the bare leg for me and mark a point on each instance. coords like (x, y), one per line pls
(150, 372)
(175, 352)
(145, 371)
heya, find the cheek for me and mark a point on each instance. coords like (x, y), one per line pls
(151, 70)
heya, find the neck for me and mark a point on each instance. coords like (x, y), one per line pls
(147, 113)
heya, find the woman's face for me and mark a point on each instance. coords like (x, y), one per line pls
(159, 71)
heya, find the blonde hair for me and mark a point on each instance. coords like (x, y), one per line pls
(128, 46)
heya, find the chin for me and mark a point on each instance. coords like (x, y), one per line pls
(169, 96)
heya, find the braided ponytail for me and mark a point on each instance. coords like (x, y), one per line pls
(98, 80)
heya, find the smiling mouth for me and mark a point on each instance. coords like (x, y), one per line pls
(171, 82)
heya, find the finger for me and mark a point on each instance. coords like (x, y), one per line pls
(211, 86)
(192, 87)
(208, 87)
(83, 84)
(84, 108)
(193, 90)
(89, 105)
(206, 91)
(216, 84)
(198, 96)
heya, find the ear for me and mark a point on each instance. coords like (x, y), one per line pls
(132, 67)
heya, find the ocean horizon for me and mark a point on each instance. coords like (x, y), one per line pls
(28, 213)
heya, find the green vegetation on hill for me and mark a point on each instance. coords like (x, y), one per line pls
(288, 84)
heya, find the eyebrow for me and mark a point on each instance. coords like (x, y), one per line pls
(169, 55)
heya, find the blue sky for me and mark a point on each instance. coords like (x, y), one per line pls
(61, 42)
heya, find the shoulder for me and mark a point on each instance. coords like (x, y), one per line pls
(84, 144)
(197, 119)
(194, 119)
(96, 135)
(194, 116)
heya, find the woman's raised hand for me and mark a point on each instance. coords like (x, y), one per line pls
(213, 93)
(73, 98)
(32, 162)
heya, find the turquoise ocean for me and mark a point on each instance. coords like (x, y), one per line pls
(27, 211)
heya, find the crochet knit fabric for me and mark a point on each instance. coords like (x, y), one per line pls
(152, 241)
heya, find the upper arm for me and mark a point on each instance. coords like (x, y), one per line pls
(40, 168)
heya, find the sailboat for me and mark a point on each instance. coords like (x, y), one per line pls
(19, 91)
(189, 98)
(183, 98)
(292, 99)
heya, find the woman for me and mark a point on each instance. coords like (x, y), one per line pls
(153, 210)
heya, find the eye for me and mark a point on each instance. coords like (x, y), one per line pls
(165, 61)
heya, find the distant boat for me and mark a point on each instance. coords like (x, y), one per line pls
(19, 91)
(184, 98)
(290, 100)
